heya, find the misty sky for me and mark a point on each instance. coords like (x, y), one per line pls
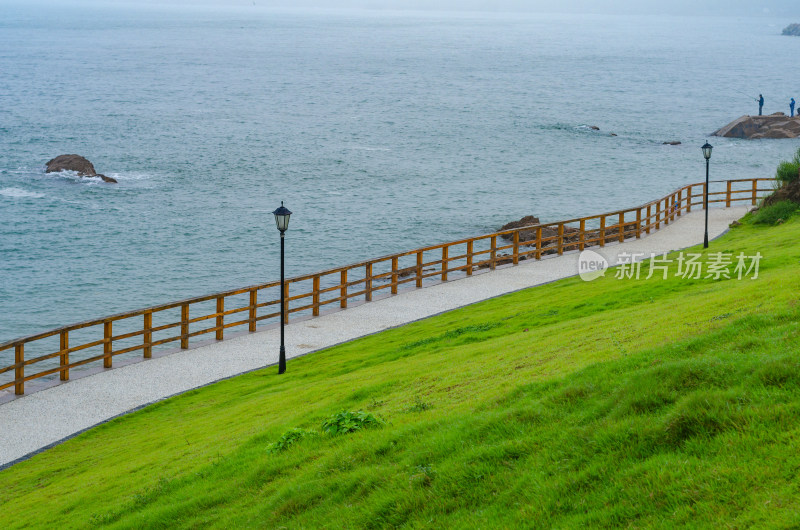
(780, 8)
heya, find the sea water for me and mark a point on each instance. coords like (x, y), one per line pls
(381, 131)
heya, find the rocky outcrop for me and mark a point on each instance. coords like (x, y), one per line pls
(792, 29)
(777, 125)
(76, 163)
(788, 192)
(571, 234)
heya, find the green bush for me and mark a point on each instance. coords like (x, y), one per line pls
(788, 170)
(346, 422)
(289, 437)
(770, 215)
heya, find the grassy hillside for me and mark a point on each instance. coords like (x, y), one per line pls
(610, 403)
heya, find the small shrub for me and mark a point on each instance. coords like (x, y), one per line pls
(346, 422)
(419, 405)
(770, 215)
(788, 170)
(423, 475)
(289, 437)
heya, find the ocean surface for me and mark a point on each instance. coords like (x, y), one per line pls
(381, 131)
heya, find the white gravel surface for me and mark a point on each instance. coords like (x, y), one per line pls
(43, 418)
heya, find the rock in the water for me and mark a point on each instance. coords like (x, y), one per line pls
(674, 142)
(528, 220)
(776, 125)
(594, 127)
(76, 163)
(792, 29)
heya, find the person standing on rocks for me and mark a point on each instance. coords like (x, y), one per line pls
(760, 104)
(791, 107)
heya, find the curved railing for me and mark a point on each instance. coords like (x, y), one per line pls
(59, 350)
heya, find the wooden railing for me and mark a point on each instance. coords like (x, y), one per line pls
(59, 350)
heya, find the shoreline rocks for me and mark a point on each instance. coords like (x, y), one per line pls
(790, 191)
(76, 163)
(777, 125)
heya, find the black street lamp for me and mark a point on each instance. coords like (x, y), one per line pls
(707, 154)
(282, 220)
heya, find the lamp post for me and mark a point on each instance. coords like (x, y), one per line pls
(707, 154)
(282, 221)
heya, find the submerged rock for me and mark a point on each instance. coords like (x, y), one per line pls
(674, 142)
(792, 29)
(777, 125)
(76, 163)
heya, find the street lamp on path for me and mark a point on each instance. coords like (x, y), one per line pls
(707, 154)
(282, 221)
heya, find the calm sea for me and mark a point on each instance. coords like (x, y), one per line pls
(381, 131)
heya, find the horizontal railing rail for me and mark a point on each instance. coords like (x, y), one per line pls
(59, 350)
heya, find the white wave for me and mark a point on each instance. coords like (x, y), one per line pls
(19, 193)
(366, 148)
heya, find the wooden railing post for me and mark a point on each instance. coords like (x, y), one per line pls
(19, 370)
(394, 275)
(638, 222)
(184, 326)
(419, 268)
(343, 289)
(395, 266)
(107, 332)
(704, 197)
(253, 309)
(680, 203)
(560, 240)
(64, 357)
(315, 298)
(148, 335)
(493, 258)
(286, 297)
(689, 200)
(539, 243)
(602, 230)
(220, 317)
(582, 235)
(755, 191)
(622, 227)
(728, 195)
(667, 212)
(649, 218)
(445, 262)
(469, 258)
(368, 283)
(515, 258)
(658, 215)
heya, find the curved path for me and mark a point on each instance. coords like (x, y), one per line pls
(41, 419)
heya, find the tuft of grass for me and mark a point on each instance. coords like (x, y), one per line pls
(345, 422)
(778, 212)
(789, 170)
(289, 438)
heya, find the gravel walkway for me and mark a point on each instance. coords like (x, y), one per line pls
(45, 418)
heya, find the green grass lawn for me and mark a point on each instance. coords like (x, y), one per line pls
(612, 403)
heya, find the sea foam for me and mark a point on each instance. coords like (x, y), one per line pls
(19, 193)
